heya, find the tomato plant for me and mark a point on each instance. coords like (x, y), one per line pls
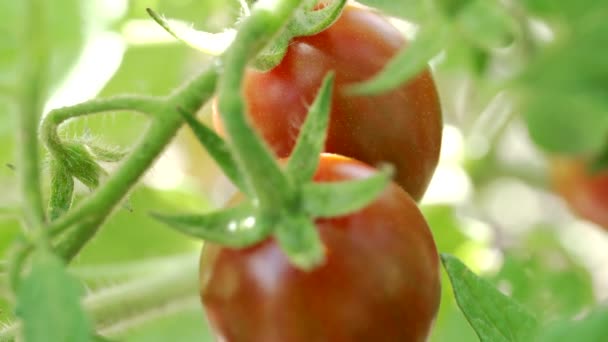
(380, 280)
(585, 192)
(402, 127)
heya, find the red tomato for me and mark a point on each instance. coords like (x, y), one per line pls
(380, 281)
(585, 193)
(402, 127)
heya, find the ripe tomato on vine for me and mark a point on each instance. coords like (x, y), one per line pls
(402, 127)
(380, 281)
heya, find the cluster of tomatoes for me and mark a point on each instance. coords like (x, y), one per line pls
(380, 280)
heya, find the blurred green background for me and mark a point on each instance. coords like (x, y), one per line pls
(489, 203)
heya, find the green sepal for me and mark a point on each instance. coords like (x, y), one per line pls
(48, 302)
(306, 22)
(304, 159)
(330, 199)
(314, 21)
(299, 239)
(218, 150)
(494, 316)
(62, 190)
(81, 164)
(409, 62)
(236, 227)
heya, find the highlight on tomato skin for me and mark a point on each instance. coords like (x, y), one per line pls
(401, 127)
(585, 192)
(380, 281)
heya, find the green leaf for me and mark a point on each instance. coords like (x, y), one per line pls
(237, 227)
(331, 199)
(487, 23)
(62, 190)
(49, 303)
(218, 150)
(567, 123)
(304, 159)
(494, 316)
(299, 239)
(592, 328)
(409, 62)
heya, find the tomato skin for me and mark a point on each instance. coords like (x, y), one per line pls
(402, 127)
(585, 193)
(380, 281)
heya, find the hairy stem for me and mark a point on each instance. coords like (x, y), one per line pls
(86, 218)
(31, 103)
(255, 159)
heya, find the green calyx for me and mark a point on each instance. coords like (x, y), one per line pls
(307, 20)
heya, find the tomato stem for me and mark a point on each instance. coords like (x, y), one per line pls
(92, 212)
(30, 106)
(262, 171)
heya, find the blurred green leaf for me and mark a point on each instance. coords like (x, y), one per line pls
(494, 316)
(486, 23)
(564, 87)
(592, 328)
(569, 123)
(541, 275)
(49, 303)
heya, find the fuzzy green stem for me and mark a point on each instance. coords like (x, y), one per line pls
(50, 124)
(92, 212)
(258, 163)
(31, 103)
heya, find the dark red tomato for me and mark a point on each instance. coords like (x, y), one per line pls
(402, 127)
(585, 193)
(380, 281)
